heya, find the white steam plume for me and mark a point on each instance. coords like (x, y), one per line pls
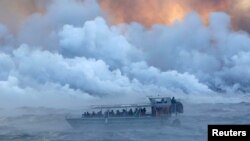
(70, 56)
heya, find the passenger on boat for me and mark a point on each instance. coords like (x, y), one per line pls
(112, 113)
(136, 112)
(173, 101)
(130, 112)
(106, 114)
(87, 114)
(140, 111)
(117, 113)
(144, 111)
(93, 114)
(124, 112)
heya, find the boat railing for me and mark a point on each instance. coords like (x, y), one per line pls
(123, 113)
(126, 116)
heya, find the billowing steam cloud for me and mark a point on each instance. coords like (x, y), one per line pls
(69, 54)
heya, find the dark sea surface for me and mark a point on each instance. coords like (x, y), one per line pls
(47, 124)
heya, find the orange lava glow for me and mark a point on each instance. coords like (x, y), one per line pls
(146, 12)
(14, 12)
(149, 12)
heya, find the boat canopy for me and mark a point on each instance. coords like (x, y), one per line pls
(154, 101)
(120, 106)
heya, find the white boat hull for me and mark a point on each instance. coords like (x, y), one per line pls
(121, 122)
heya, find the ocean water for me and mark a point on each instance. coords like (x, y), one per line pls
(47, 124)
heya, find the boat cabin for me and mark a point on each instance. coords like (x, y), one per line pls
(160, 105)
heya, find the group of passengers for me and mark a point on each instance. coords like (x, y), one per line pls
(173, 101)
(117, 113)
